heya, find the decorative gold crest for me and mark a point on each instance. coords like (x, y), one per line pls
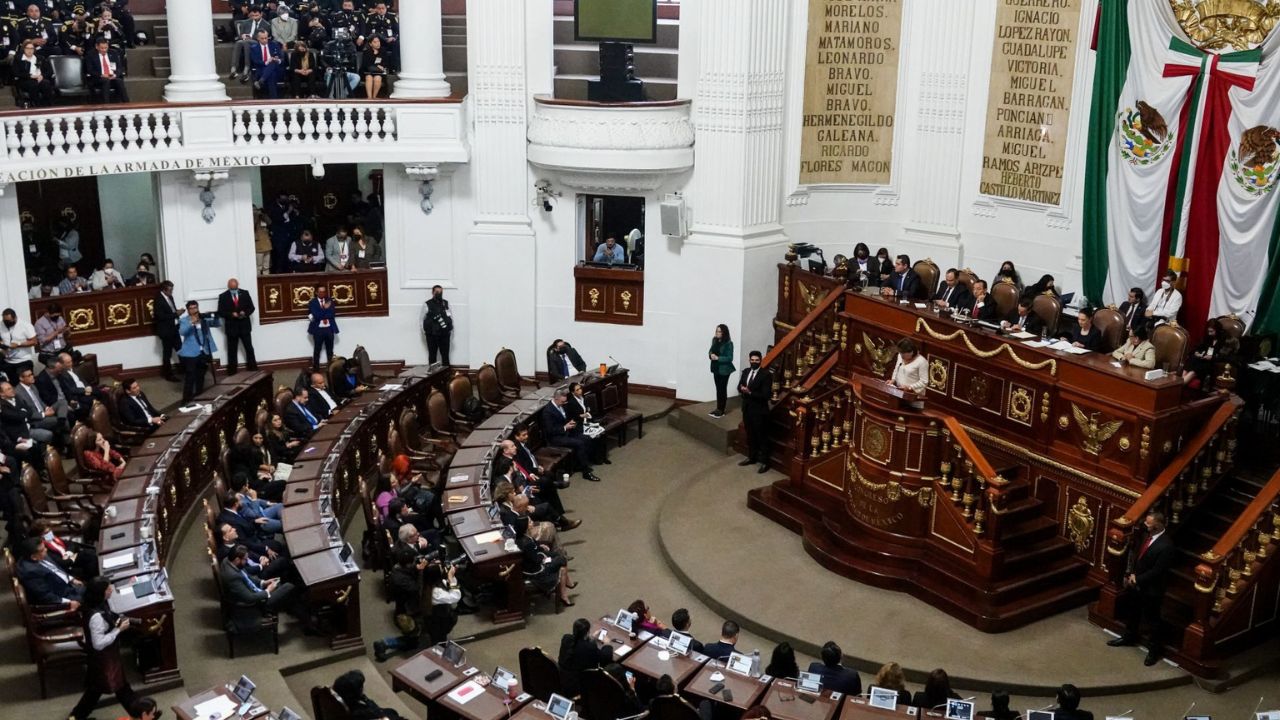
(1093, 434)
(330, 201)
(875, 441)
(372, 288)
(809, 295)
(302, 296)
(1020, 405)
(594, 294)
(1080, 524)
(938, 374)
(979, 391)
(81, 319)
(626, 299)
(119, 314)
(273, 297)
(343, 293)
(881, 353)
(1226, 25)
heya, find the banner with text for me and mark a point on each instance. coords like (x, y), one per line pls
(1029, 104)
(850, 91)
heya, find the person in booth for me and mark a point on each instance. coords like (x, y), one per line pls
(911, 372)
(984, 308)
(266, 65)
(104, 72)
(953, 295)
(904, 283)
(610, 252)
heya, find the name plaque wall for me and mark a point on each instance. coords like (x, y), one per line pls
(1029, 104)
(850, 91)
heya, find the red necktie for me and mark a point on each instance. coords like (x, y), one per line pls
(1146, 545)
(235, 300)
(975, 309)
(106, 66)
(264, 54)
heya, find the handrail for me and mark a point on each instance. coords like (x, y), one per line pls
(246, 102)
(1239, 530)
(785, 344)
(980, 462)
(1148, 499)
(820, 373)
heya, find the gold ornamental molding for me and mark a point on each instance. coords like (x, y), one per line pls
(1052, 364)
(1020, 452)
(1080, 524)
(1226, 25)
(81, 319)
(1093, 433)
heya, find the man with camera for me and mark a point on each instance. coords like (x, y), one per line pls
(196, 351)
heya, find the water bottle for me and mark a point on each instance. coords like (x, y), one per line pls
(755, 663)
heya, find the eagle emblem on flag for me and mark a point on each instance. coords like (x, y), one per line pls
(1254, 163)
(1143, 135)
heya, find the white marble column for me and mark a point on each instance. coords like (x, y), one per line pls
(501, 187)
(735, 195)
(193, 73)
(421, 52)
(13, 276)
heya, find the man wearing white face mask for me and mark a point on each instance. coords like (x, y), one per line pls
(1166, 301)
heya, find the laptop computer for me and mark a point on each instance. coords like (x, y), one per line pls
(559, 706)
(334, 533)
(454, 653)
(883, 698)
(287, 713)
(502, 678)
(679, 643)
(809, 682)
(959, 710)
(143, 588)
(243, 691)
(1039, 715)
(624, 619)
(739, 663)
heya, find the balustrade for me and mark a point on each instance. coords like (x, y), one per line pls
(275, 124)
(90, 133)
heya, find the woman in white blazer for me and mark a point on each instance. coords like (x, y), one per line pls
(911, 372)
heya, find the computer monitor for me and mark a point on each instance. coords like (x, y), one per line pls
(287, 713)
(493, 511)
(454, 653)
(959, 710)
(559, 706)
(244, 689)
(502, 678)
(624, 619)
(679, 643)
(739, 663)
(883, 698)
(1039, 715)
(809, 682)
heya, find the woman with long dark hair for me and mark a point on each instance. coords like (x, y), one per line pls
(937, 690)
(783, 662)
(105, 669)
(1043, 286)
(721, 356)
(1010, 273)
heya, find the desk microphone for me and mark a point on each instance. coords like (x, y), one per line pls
(614, 359)
(1255, 707)
(1126, 712)
(1187, 712)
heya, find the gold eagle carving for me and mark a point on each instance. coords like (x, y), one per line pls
(1094, 433)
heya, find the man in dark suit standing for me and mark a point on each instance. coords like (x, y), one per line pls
(104, 72)
(904, 283)
(1145, 579)
(236, 310)
(756, 387)
(953, 295)
(164, 325)
(559, 431)
(835, 676)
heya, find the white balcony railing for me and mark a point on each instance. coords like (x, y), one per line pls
(139, 138)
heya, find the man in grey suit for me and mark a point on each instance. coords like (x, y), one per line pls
(41, 416)
(246, 37)
(284, 29)
(250, 595)
(339, 251)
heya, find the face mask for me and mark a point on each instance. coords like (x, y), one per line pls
(1164, 284)
(48, 536)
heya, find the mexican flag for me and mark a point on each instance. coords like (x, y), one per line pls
(1182, 162)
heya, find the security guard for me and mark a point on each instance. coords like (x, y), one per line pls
(40, 30)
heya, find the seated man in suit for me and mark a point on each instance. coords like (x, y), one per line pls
(1134, 309)
(22, 419)
(836, 677)
(250, 531)
(1069, 704)
(249, 596)
(560, 431)
(44, 582)
(135, 410)
(563, 361)
(104, 72)
(50, 386)
(681, 623)
(79, 394)
(261, 512)
(525, 458)
(540, 509)
(265, 566)
(725, 646)
(904, 283)
(266, 64)
(42, 416)
(541, 488)
(320, 402)
(16, 442)
(983, 307)
(953, 295)
(1023, 319)
(298, 418)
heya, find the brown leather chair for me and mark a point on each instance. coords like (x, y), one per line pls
(107, 420)
(490, 389)
(1049, 309)
(929, 274)
(967, 278)
(84, 497)
(672, 707)
(602, 695)
(73, 511)
(417, 461)
(440, 419)
(1112, 325)
(509, 374)
(1006, 295)
(1232, 325)
(284, 396)
(211, 517)
(220, 490)
(87, 370)
(335, 374)
(82, 438)
(52, 640)
(365, 366)
(418, 441)
(326, 706)
(270, 622)
(460, 391)
(1172, 343)
(539, 673)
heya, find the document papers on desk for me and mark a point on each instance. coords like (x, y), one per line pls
(119, 560)
(387, 387)
(466, 692)
(216, 709)
(489, 537)
(1267, 365)
(283, 470)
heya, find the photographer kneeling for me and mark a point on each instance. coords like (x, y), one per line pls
(415, 612)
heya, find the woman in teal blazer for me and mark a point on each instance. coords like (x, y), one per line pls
(721, 356)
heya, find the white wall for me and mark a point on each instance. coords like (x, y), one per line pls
(130, 225)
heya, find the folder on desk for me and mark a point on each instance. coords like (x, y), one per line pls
(283, 470)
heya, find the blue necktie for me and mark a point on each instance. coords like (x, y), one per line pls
(249, 581)
(307, 413)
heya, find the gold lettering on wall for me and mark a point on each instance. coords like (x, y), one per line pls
(1029, 103)
(850, 91)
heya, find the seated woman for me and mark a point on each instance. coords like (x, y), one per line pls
(578, 652)
(1217, 346)
(33, 75)
(782, 664)
(251, 464)
(349, 687)
(1137, 351)
(546, 570)
(374, 68)
(279, 442)
(1010, 273)
(1043, 286)
(891, 677)
(101, 459)
(1084, 334)
(911, 372)
(644, 620)
(937, 690)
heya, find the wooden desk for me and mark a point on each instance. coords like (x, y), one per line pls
(485, 438)
(490, 561)
(186, 710)
(153, 445)
(462, 498)
(120, 537)
(613, 635)
(142, 466)
(464, 476)
(784, 702)
(308, 540)
(490, 704)
(536, 710)
(410, 676)
(472, 522)
(856, 708)
(499, 421)
(482, 455)
(333, 585)
(127, 488)
(746, 690)
(175, 424)
(294, 517)
(127, 511)
(297, 493)
(681, 668)
(358, 293)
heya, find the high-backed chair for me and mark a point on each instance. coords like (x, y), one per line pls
(539, 673)
(1113, 327)
(460, 392)
(284, 396)
(87, 369)
(416, 440)
(325, 705)
(602, 696)
(440, 418)
(65, 492)
(490, 389)
(1171, 342)
(236, 619)
(365, 366)
(509, 374)
(967, 278)
(1232, 325)
(107, 420)
(929, 274)
(72, 511)
(1049, 309)
(52, 646)
(262, 419)
(82, 438)
(336, 373)
(672, 707)
(1006, 295)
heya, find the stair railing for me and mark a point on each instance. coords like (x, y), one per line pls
(970, 481)
(1238, 557)
(808, 347)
